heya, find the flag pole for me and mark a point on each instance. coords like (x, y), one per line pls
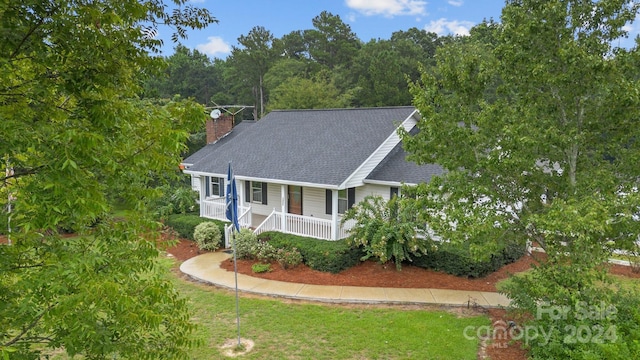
(232, 214)
(235, 271)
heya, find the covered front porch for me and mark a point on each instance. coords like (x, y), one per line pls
(309, 226)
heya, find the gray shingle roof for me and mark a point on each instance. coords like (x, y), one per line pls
(312, 146)
(207, 149)
(395, 168)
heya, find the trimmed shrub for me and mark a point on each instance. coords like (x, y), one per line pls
(207, 236)
(185, 224)
(288, 258)
(260, 268)
(245, 244)
(264, 251)
(457, 260)
(321, 255)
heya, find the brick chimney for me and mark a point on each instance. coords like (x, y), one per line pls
(217, 128)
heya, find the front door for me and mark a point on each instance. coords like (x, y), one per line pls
(295, 200)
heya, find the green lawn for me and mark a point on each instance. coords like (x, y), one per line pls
(287, 330)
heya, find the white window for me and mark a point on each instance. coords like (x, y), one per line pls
(343, 201)
(217, 186)
(256, 191)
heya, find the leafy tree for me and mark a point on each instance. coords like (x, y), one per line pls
(251, 63)
(331, 42)
(189, 73)
(381, 79)
(301, 93)
(293, 46)
(76, 135)
(283, 70)
(548, 158)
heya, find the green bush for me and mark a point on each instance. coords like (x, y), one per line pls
(207, 236)
(457, 260)
(321, 255)
(185, 224)
(245, 244)
(288, 258)
(264, 251)
(386, 229)
(260, 268)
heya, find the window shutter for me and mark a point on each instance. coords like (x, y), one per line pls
(351, 197)
(222, 186)
(207, 186)
(264, 193)
(393, 191)
(247, 191)
(328, 202)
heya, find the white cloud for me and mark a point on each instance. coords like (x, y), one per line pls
(456, 3)
(388, 8)
(215, 46)
(443, 26)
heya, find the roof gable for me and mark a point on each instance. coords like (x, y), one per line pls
(396, 170)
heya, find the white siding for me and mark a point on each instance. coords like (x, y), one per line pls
(314, 202)
(372, 189)
(195, 183)
(273, 201)
(383, 150)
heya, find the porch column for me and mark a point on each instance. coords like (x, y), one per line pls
(334, 214)
(201, 194)
(283, 206)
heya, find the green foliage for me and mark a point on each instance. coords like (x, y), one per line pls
(185, 224)
(189, 73)
(386, 230)
(264, 251)
(207, 236)
(598, 324)
(321, 255)
(178, 198)
(78, 137)
(245, 243)
(533, 121)
(301, 93)
(261, 268)
(458, 260)
(288, 258)
(248, 246)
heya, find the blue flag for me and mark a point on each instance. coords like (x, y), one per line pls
(232, 199)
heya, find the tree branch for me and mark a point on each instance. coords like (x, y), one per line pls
(19, 173)
(29, 327)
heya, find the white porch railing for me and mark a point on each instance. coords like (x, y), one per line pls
(302, 225)
(227, 235)
(308, 226)
(213, 208)
(217, 209)
(343, 230)
(267, 224)
(245, 218)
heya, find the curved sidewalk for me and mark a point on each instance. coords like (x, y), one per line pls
(206, 268)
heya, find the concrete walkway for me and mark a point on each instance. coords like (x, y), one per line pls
(206, 268)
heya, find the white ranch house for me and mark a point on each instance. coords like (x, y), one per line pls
(298, 171)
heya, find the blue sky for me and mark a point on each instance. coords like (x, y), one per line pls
(368, 19)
